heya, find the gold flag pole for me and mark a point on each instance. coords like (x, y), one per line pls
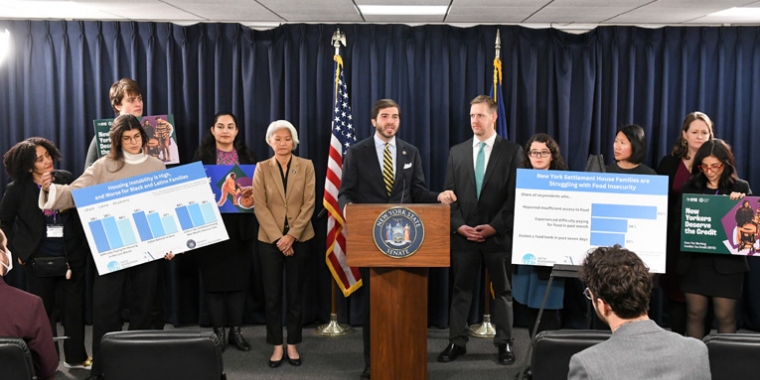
(333, 328)
(487, 329)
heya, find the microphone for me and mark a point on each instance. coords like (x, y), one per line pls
(403, 188)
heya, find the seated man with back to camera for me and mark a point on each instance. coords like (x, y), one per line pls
(619, 285)
(22, 315)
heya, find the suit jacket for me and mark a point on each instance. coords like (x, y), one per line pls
(24, 224)
(22, 315)
(642, 350)
(362, 180)
(724, 264)
(496, 205)
(272, 205)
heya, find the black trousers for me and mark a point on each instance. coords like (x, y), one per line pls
(273, 264)
(465, 266)
(107, 300)
(231, 302)
(70, 296)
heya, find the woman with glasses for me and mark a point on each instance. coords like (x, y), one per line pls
(710, 277)
(529, 282)
(697, 128)
(52, 235)
(126, 159)
(630, 149)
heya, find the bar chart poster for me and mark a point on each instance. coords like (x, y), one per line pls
(717, 224)
(561, 215)
(232, 186)
(139, 219)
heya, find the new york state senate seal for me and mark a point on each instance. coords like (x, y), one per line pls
(398, 232)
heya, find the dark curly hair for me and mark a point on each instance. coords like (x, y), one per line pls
(620, 279)
(207, 150)
(558, 163)
(19, 160)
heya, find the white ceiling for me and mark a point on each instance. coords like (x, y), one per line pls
(565, 14)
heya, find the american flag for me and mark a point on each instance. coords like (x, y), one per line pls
(343, 136)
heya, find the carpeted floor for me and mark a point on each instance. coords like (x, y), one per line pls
(341, 358)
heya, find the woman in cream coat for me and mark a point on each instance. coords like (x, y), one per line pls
(284, 196)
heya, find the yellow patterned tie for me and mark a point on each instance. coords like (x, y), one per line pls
(388, 169)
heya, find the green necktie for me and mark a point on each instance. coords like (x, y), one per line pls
(388, 169)
(480, 167)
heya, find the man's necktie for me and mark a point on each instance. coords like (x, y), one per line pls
(388, 169)
(480, 167)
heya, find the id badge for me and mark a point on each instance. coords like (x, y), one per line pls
(55, 230)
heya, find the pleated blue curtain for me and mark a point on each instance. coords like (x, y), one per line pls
(577, 88)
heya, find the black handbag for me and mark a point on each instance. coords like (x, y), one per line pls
(51, 266)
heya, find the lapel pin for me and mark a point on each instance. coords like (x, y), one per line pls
(403, 152)
(294, 171)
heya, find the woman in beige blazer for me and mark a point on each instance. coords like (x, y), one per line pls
(284, 195)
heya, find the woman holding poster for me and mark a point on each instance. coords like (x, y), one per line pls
(284, 195)
(126, 159)
(708, 276)
(529, 282)
(49, 244)
(696, 129)
(226, 266)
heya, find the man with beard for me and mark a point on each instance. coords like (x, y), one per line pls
(384, 169)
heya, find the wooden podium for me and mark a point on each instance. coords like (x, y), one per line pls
(398, 294)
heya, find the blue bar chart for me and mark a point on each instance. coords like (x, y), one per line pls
(139, 219)
(195, 215)
(110, 233)
(610, 222)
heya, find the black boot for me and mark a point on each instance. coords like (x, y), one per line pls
(237, 340)
(220, 336)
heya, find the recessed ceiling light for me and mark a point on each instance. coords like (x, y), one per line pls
(426, 10)
(742, 13)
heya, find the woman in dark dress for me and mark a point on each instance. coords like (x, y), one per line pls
(225, 267)
(33, 234)
(696, 129)
(707, 276)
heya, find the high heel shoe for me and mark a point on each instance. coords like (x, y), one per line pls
(219, 332)
(236, 339)
(295, 362)
(276, 363)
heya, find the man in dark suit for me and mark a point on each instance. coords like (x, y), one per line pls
(383, 169)
(22, 315)
(481, 172)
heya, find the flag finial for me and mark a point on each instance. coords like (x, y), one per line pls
(338, 38)
(498, 43)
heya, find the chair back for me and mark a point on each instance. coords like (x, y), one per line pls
(159, 355)
(16, 360)
(733, 356)
(553, 349)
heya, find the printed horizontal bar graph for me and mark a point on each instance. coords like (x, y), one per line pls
(623, 211)
(609, 225)
(603, 239)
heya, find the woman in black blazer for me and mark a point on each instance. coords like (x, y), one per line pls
(33, 233)
(695, 130)
(707, 276)
(225, 267)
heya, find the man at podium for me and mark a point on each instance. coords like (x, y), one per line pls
(481, 171)
(383, 169)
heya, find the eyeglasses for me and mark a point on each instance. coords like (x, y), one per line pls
(713, 167)
(587, 293)
(537, 154)
(136, 138)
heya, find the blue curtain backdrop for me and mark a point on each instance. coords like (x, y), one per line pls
(577, 88)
